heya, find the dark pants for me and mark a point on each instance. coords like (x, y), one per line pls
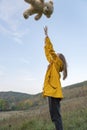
(54, 108)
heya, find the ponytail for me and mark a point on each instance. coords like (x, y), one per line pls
(62, 57)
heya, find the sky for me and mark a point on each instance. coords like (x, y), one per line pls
(22, 61)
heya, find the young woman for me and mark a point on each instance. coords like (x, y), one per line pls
(52, 85)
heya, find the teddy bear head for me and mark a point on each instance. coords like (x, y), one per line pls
(48, 9)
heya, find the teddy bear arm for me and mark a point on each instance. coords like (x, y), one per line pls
(38, 16)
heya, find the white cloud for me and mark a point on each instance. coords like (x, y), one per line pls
(10, 17)
(4, 30)
(25, 78)
(3, 73)
(25, 61)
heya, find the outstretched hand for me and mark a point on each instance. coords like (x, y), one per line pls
(46, 30)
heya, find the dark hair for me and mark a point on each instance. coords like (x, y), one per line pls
(62, 57)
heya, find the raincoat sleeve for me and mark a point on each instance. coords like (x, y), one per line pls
(49, 51)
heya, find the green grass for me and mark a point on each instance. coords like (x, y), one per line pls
(73, 109)
(76, 120)
(39, 119)
(37, 125)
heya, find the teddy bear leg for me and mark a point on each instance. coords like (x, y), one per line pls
(38, 16)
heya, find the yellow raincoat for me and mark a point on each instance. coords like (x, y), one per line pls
(52, 84)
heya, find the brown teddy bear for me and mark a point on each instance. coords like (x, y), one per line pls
(38, 7)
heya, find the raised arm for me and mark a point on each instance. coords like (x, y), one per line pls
(49, 51)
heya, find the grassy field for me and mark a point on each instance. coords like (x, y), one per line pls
(73, 109)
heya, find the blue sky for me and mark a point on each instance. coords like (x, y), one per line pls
(22, 60)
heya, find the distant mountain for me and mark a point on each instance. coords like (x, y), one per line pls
(80, 84)
(14, 96)
(21, 101)
(75, 91)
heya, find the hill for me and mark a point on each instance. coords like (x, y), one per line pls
(75, 90)
(14, 96)
(22, 101)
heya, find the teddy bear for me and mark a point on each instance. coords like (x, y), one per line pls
(39, 7)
